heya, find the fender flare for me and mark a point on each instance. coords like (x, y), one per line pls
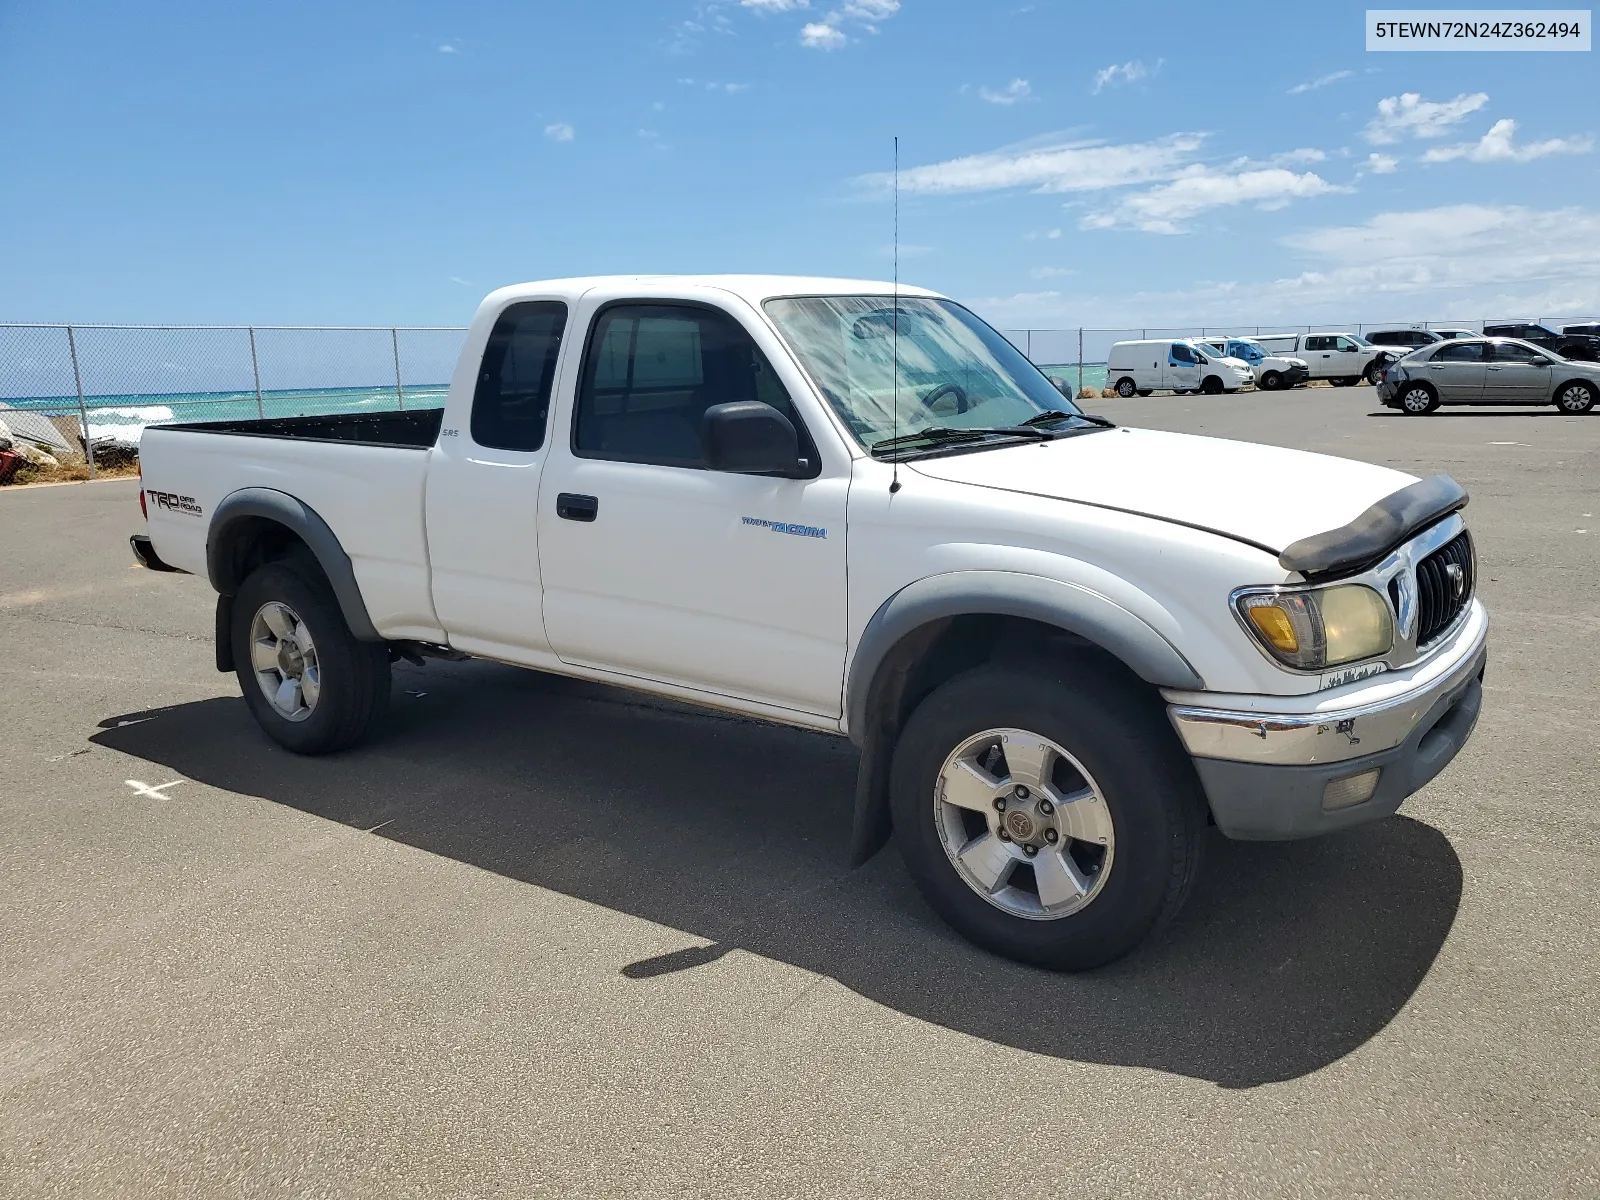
(304, 522)
(1068, 606)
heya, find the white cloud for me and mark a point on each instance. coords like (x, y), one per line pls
(1050, 272)
(774, 6)
(1014, 91)
(1048, 166)
(1306, 154)
(449, 48)
(1053, 234)
(1498, 145)
(1380, 164)
(1197, 188)
(1409, 115)
(819, 35)
(1117, 74)
(1320, 81)
(828, 34)
(560, 132)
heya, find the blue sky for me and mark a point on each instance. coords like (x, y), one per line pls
(1062, 163)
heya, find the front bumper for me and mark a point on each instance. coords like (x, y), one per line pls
(1268, 775)
(1295, 376)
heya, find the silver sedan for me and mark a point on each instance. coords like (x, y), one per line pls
(1488, 371)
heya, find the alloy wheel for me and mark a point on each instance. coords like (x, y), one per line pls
(1024, 824)
(284, 659)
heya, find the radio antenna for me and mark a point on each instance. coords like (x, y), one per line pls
(894, 483)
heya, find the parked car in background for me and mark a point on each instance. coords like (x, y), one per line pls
(1408, 339)
(1488, 371)
(1165, 364)
(1448, 333)
(1341, 358)
(1270, 371)
(1592, 328)
(1568, 345)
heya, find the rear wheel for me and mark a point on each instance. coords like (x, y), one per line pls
(1049, 817)
(1271, 381)
(1576, 397)
(1125, 388)
(306, 679)
(1417, 399)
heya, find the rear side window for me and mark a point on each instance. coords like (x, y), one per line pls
(511, 404)
(1460, 352)
(1319, 343)
(651, 372)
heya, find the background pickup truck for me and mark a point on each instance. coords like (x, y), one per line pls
(1582, 347)
(1063, 647)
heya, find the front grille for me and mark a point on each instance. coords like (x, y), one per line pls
(1444, 586)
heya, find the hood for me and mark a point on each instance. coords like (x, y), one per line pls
(1260, 494)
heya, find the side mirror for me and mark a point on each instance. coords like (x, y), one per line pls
(748, 437)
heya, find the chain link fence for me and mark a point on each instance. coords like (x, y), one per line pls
(85, 392)
(1077, 356)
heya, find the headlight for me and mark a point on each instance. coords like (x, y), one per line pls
(1318, 627)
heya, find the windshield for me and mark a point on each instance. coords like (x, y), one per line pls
(950, 369)
(1356, 338)
(1248, 351)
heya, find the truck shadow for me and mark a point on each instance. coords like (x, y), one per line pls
(1289, 956)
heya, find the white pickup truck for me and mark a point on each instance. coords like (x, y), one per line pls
(1063, 647)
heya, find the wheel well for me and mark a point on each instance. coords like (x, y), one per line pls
(942, 649)
(1561, 387)
(252, 542)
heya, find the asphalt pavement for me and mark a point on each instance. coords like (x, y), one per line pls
(549, 938)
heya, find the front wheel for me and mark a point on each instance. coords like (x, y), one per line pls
(1271, 381)
(311, 686)
(1048, 815)
(1374, 373)
(1211, 386)
(1575, 398)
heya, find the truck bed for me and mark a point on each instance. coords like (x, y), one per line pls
(415, 430)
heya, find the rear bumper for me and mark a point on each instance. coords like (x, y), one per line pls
(144, 550)
(1280, 776)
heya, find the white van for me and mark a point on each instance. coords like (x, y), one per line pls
(1139, 368)
(1344, 358)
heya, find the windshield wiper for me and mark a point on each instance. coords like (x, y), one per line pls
(943, 434)
(1055, 414)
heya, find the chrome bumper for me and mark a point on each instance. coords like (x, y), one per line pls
(1327, 735)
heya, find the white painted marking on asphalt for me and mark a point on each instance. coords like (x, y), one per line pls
(155, 793)
(1522, 444)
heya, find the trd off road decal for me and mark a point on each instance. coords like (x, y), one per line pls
(173, 502)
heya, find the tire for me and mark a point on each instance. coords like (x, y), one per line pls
(1211, 386)
(1576, 397)
(1271, 381)
(1374, 372)
(1145, 798)
(1125, 388)
(1417, 399)
(286, 615)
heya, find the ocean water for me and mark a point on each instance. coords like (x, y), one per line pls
(124, 418)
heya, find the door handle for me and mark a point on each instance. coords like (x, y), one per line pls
(1494, 368)
(573, 507)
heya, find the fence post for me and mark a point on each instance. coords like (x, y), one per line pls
(399, 388)
(83, 412)
(1027, 342)
(255, 371)
(1080, 358)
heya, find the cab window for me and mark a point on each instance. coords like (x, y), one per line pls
(1317, 342)
(1180, 353)
(650, 372)
(511, 402)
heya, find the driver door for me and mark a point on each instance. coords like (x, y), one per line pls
(658, 568)
(1517, 374)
